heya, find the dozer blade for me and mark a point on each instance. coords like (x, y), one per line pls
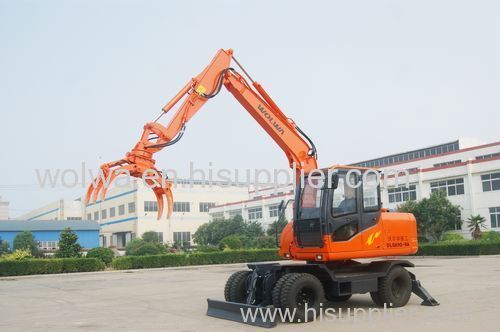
(242, 313)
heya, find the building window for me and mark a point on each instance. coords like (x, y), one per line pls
(448, 163)
(255, 213)
(217, 215)
(121, 210)
(112, 212)
(204, 206)
(74, 218)
(150, 206)
(402, 194)
(234, 213)
(274, 211)
(182, 237)
(104, 214)
(48, 245)
(182, 207)
(89, 216)
(131, 207)
(488, 156)
(450, 187)
(96, 215)
(495, 217)
(491, 181)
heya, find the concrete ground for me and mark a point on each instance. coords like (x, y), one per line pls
(173, 299)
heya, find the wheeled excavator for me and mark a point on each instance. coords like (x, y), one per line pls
(338, 216)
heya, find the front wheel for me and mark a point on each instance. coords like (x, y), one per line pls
(236, 287)
(301, 293)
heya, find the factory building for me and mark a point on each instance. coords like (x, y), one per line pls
(62, 209)
(47, 232)
(4, 209)
(130, 211)
(261, 205)
(468, 172)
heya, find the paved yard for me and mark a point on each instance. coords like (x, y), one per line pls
(174, 300)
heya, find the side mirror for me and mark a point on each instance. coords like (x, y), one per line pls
(282, 204)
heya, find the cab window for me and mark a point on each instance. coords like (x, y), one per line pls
(344, 197)
(370, 192)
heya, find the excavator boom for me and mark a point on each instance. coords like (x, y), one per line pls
(140, 162)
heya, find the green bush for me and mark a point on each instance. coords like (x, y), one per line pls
(199, 258)
(146, 262)
(49, 266)
(490, 236)
(149, 249)
(139, 247)
(452, 237)
(26, 240)
(151, 236)
(462, 248)
(104, 254)
(207, 248)
(230, 242)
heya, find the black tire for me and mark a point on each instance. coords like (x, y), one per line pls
(276, 294)
(341, 298)
(236, 287)
(394, 290)
(299, 289)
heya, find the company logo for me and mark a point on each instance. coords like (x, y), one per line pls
(372, 238)
(270, 118)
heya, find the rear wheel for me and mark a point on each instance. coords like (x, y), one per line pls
(394, 289)
(236, 287)
(301, 291)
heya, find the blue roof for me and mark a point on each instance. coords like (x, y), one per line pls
(48, 225)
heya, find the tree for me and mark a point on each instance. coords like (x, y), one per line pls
(213, 232)
(151, 236)
(106, 255)
(475, 224)
(5, 247)
(253, 229)
(230, 242)
(435, 215)
(26, 241)
(68, 244)
(278, 225)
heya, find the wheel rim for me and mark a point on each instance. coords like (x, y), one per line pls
(398, 288)
(305, 295)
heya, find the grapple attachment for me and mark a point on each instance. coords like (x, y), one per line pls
(138, 163)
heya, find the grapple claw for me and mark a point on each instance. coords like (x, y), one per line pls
(137, 162)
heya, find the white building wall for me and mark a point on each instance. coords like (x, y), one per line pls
(58, 210)
(468, 167)
(120, 228)
(264, 200)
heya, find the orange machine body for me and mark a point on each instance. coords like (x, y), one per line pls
(394, 234)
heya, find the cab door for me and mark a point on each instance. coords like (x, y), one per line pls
(344, 213)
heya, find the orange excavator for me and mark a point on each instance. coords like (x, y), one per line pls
(338, 214)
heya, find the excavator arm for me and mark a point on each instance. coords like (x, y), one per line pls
(140, 162)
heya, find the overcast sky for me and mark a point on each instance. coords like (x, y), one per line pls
(79, 79)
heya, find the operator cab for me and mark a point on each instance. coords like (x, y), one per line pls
(337, 202)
